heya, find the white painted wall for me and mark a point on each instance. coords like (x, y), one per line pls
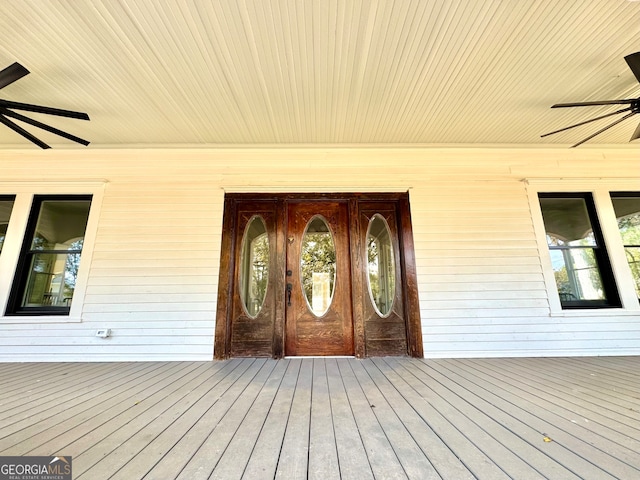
(152, 274)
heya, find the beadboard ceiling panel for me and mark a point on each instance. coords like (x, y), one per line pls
(263, 72)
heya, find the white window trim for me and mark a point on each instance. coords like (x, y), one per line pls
(24, 193)
(600, 189)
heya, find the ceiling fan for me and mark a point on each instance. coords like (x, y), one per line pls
(16, 72)
(632, 106)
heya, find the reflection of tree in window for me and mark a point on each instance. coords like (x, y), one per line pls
(372, 259)
(254, 266)
(380, 265)
(259, 271)
(318, 259)
(575, 269)
(71, 266)
(381, 272)
(629, 226)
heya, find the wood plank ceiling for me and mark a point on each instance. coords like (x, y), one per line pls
(254, 72)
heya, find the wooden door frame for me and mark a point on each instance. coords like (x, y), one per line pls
(222, 343)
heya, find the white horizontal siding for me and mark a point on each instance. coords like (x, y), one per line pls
(481, 279)
(154, 275)
(154, 272)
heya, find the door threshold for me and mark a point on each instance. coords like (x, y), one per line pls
(318, 356)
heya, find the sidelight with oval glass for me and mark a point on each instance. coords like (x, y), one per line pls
(254, 266)
(318, 265)
(380, 265)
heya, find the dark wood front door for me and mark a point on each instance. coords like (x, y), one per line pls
(318, 314)
(317, 275)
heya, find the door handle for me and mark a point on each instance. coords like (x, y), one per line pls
(289, 289)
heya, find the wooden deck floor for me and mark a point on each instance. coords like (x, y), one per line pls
(383, 418)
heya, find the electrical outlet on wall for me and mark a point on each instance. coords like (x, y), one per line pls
(103, 333)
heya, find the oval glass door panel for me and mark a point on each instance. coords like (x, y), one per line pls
(380, 265)
(254, 266)
(318, 265)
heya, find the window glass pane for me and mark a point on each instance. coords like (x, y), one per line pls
(60, 224)
(52, 280)
(567, 222)
(633, 257)
(580, 264)
(254, 266)
(627, 210)
(51, 260)
(380, 265)
(318, 266)
(5, 213)
(577, 274)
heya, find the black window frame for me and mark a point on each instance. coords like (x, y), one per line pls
(609, 284)
(623, 194)
(7, 198)
(14, 307)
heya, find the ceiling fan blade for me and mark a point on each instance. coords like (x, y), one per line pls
(12, 73)
(23, 132)
(587, 121)
(44, 126)
(633, 61)
(40, 109)
(636, 134)
(628, 115)
(625, 101)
